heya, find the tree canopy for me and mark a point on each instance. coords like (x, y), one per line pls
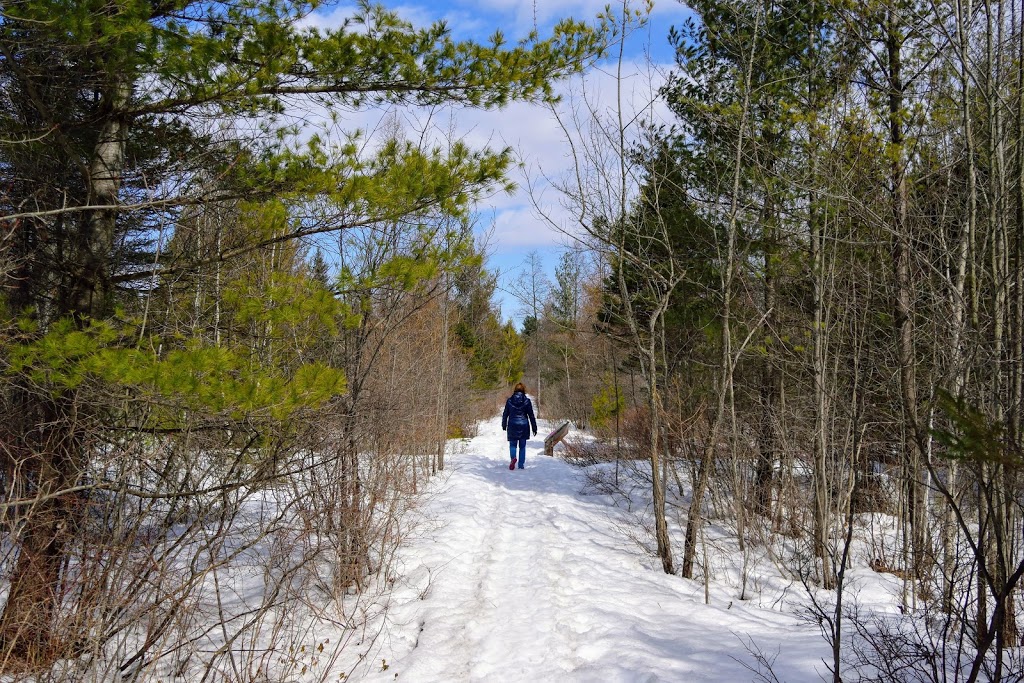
(159, 193)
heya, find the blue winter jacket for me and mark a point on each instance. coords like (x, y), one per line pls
(518, 417)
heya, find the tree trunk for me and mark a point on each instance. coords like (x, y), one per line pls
(822, 492)
(91, 292)
(770, 388)
(27, 625)
(27, 622)
(657, 481)
(1014, 636)
(693, 520)
(725, 381)
(904, 307)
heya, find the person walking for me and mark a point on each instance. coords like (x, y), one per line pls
(516, 421)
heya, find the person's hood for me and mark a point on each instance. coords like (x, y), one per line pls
(518, 399)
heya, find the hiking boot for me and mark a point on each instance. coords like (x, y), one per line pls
(512, 465)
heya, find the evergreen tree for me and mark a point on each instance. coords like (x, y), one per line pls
(122, 123)
(495, 351)
(567, 295)
(529, 326)
(319, 270)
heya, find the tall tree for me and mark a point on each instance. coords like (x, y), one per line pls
(119, 117)
(531, 290)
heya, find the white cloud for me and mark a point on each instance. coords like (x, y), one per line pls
(333, 18)
(524, 14)
(545, 151)
(513, 223)
(480, 18)
(520, 227)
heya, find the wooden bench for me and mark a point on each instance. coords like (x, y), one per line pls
(554, 437)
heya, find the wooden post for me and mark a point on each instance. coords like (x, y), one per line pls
(554, 437)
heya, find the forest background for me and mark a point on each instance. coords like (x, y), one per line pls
(794, 300)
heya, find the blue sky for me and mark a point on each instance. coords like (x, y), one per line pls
(511, 223)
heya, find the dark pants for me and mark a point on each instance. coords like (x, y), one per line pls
(522, 451)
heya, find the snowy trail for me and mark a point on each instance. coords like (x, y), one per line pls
(519, 577)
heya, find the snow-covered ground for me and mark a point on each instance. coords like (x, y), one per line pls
(518, 576)
(528, 575)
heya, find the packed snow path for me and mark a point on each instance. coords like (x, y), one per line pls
(517, 576)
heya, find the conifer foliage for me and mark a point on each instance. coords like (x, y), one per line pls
(818, 267)
(165, 349)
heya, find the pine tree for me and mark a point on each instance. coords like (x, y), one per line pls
(122, 123)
